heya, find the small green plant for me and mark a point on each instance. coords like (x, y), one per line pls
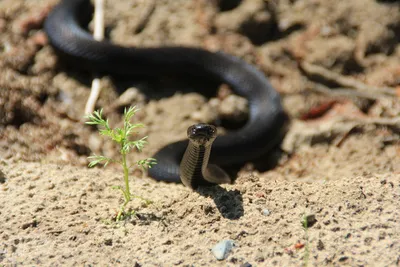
(305, 222)
(122, 136)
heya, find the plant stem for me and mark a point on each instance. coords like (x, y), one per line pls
(127, 192)
(307, 245)
(121, 210)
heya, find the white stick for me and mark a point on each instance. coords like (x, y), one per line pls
(98, 34)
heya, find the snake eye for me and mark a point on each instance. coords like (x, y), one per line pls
(212, 131)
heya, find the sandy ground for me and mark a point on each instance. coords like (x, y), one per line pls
(336, 65)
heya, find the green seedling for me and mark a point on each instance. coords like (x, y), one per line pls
(305, 222)
(122, 136)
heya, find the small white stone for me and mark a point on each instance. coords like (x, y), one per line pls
(266, 212)
(222, 249)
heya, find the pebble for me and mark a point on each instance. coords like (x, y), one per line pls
(309, 220)
(2, 178)
(222, 249)
(266, 212)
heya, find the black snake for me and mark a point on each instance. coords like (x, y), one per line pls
(66, 30)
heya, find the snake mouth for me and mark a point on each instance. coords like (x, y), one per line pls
(202, 133)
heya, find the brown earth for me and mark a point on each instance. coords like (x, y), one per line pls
(336, 65)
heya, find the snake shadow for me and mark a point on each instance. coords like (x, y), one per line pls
(228, 203)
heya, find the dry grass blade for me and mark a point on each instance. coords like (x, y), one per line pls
(345, 81)
(99, 36)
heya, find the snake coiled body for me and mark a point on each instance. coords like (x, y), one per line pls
(66, 30)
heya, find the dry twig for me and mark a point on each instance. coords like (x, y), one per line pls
(99, 36)
(346, 81)
(343, 92)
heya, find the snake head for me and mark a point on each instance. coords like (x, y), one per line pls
(202, 134)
